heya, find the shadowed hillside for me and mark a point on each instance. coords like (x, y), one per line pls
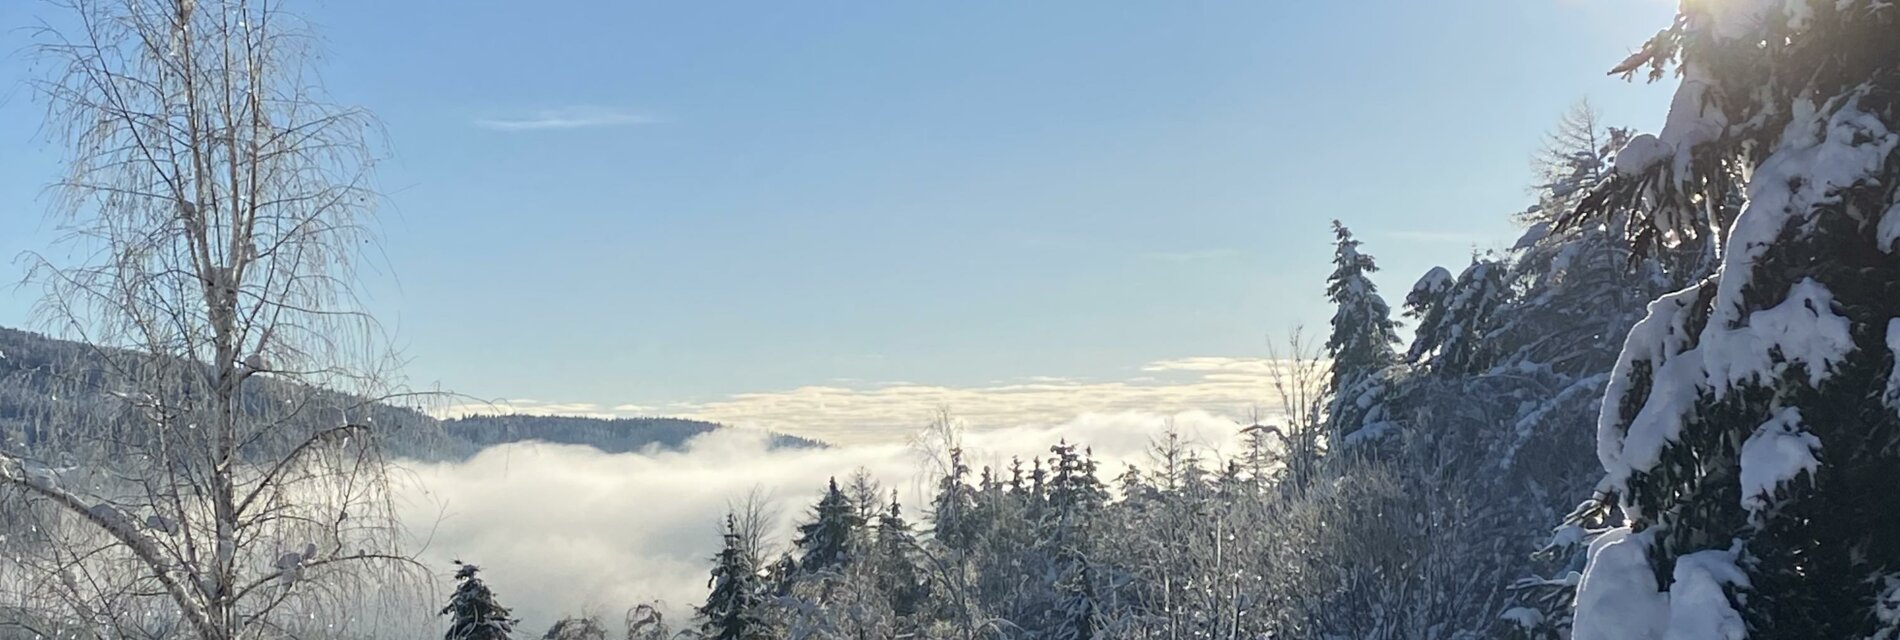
(43, 379)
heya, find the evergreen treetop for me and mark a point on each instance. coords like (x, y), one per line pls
(473, 612)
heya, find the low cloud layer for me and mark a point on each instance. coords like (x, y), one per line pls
(887, 412)
(566, 530)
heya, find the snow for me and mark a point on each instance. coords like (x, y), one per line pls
(1618, 598)
(1673, 394)
(1641, 153)
(1533, 235)
(1779, 451)
(1887, 609)
(161, 524)
(1889, 230)
(1566, 536)
(1436, 280)
(290, 566)
(1893, 374)
(1822, 150)
(1525, 618)
(1802, 329)
(1739, 19)
(1370, 432)
(1659, 339)
(1699, 607)
(1589, 387)
(1692, 122)
(1800, 14)
(1816, 158)
(108, 515)
(42, 477)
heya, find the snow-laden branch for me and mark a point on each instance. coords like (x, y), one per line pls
(15, 471)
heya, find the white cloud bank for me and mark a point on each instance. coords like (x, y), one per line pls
(890, 411)
(564, 529)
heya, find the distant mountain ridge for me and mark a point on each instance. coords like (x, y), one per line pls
(33, 368)
(610, 435)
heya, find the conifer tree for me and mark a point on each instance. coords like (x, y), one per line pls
(576, 628)
(473, 612)
(950, 516)
(1456, 319)
(1075, 494)
(1077, 608)
(733, 608)
(895, 565)
(1363, 333)
(781, 574)
(1075, 500)
(1749, 433)
(827, 541)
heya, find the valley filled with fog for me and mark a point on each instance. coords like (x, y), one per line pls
(972, 321)
(569, 530)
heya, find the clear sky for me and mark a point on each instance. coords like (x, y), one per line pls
(770, 211)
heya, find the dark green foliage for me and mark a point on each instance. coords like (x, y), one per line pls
(894, 562)
(1363, 333)
(1456, 322)
(576, 629)
(733, 609)
(472, 610)
(48, 385)
(950, 510)
(828, 541)
(1811, 98)
(615, 435)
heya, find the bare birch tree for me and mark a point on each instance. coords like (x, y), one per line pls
(213, 209)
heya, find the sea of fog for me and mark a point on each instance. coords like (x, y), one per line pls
(567, 530)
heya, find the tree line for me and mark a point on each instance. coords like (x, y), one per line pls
(1710, 309)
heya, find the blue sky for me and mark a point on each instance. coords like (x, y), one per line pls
(600, 203)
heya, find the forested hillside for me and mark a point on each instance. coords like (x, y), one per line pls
(43, 379)
(610, 435)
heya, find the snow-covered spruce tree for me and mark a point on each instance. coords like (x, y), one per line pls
(1003, 553)
(1456, 317)
(1363, 332)
(472, 610)
(950, 517)
(1579, 287)
(644, 622)
(828, 541)
(1076, 498)
(1749, 432)
(894, 563)
(576, 628)
(780, 575)
(733, 609)
(1181, 559)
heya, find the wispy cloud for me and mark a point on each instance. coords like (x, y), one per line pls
(1449, 237)
(1200, 255)
(567, 118)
